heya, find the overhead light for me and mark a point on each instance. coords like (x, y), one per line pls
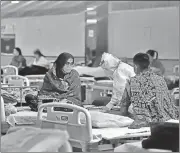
(14, 2)
(91, 21)
(90, 8)
(91, 12)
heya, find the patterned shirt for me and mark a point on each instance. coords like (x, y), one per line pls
(150, 99)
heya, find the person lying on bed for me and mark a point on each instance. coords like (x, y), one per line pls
(148, 93)
(119, 72)
(61, 82)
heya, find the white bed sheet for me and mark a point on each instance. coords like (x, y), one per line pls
(136, 147)
(23, 118)
(30, 118)
(120, 133)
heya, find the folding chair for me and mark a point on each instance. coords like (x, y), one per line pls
(80, 134)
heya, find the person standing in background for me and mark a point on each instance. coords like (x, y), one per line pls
(155, 64)
(18, 59)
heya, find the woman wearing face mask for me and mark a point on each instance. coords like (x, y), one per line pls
(61, 82)
(120, 72)
(39, 66)
(155, 64)
(18, 60)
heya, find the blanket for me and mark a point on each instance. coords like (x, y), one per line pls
(15, 93)
(35, 140)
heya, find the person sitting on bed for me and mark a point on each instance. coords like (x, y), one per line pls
(18, 59)
(61, 82)
(155, 63)
(119, 72)
(39, 66)
(148, 93)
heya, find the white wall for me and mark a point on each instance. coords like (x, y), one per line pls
(51, 34)
(133, 31)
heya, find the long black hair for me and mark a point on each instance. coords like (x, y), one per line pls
(60, 62)
(18, 50)
(38, 52)
(153, 53)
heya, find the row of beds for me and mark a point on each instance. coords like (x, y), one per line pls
(85, 137)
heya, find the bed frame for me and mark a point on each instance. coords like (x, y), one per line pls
(82, 135)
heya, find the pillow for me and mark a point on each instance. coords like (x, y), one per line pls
(105, 120)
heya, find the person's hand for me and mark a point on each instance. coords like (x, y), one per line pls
(105, 109)
(64, 101)
(65, 84)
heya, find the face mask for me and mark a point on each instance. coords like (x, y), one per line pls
(68, 66)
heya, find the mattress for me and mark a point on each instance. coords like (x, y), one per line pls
(92, 71)
(136, 147)
(30, 118)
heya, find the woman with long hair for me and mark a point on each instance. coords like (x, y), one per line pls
(39, 66)
(155, 63)
(18, 59)
(61, 82)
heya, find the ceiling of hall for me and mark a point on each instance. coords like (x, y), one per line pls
(41, 8)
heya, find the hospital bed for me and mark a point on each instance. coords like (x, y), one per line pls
(85, 135)
(16, 80)
(19, 85)
(9, 70)
(81, 135)
(35, 80)
(99, 90)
